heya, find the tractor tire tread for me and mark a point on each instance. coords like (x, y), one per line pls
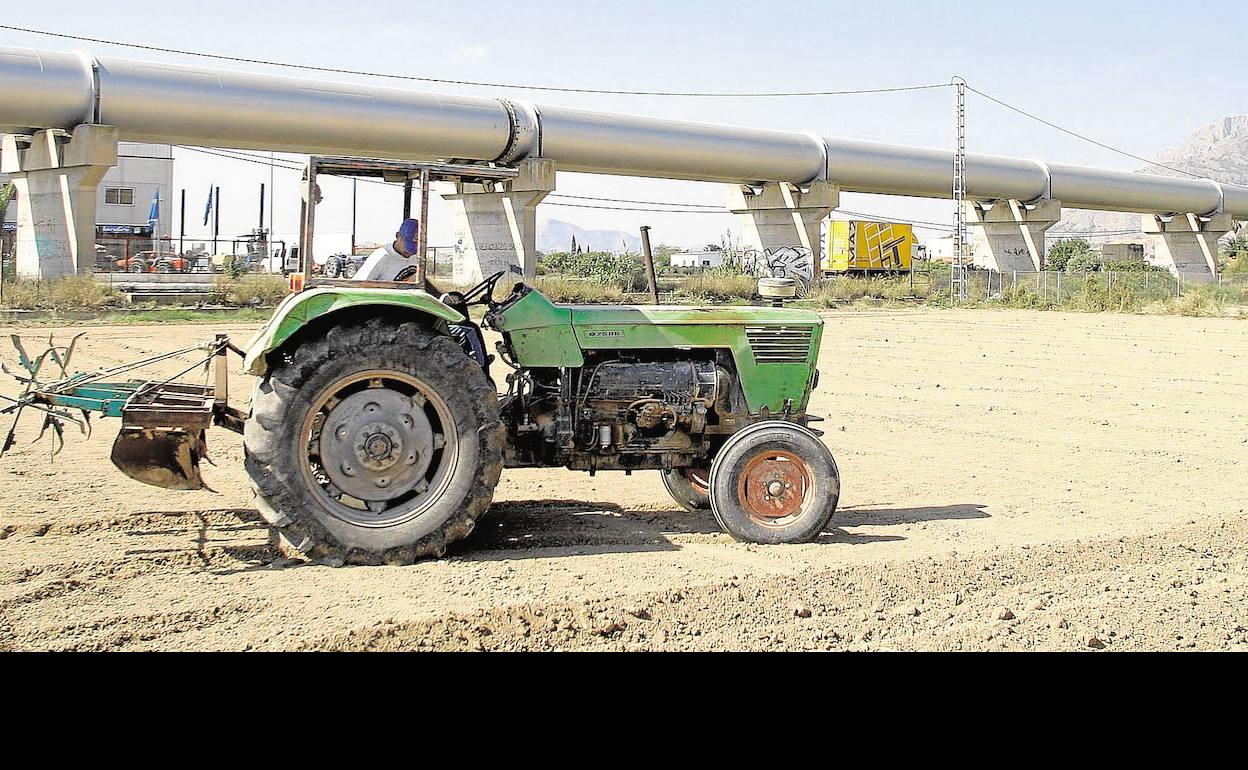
(272, 400)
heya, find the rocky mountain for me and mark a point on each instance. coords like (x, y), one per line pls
(556, 235)
(1218, 150)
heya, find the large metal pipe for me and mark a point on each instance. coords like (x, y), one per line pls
(216, 108)
(41, 89)
(607, 143)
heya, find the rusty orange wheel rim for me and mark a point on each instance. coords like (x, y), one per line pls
(698, 478)
(774, 487)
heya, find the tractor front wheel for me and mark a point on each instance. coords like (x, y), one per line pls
(774, 482)
(379, 443)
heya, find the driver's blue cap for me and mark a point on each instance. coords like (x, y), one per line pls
(408, 232)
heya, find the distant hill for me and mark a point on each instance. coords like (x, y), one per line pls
(1218, 150)
(556, 235)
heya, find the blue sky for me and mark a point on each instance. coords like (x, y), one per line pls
(1137, 75)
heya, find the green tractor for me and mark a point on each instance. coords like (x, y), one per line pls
(377, 433)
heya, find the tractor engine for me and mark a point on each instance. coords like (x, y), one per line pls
(634, 407)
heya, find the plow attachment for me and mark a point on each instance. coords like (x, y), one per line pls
(164, 424)
(162, 436)
(166, 458)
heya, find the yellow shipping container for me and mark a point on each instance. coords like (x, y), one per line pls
(868, 247)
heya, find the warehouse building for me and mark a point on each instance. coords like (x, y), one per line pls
(144, 172)
(698, 259)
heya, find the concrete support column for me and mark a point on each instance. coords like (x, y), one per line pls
(1187, 245)
(496, 224)
(1009, 235)
(780, 214)
(57, 176)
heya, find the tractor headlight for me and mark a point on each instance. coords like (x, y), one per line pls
(814, 382)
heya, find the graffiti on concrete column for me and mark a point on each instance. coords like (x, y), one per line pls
(796, 262)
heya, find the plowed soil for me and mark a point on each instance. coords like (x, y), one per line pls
(1012, 480)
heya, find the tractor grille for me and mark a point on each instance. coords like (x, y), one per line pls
(780, 344)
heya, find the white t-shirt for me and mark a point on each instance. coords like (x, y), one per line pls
(384, 264)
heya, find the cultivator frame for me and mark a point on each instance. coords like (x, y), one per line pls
(164, 423)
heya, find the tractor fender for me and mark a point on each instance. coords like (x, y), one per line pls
(298, 310)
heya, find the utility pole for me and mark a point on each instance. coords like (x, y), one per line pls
(262, 236)
(272, 191)
(354, 193)
(216, 218)
(182, 225)
(422, 235)
(649, 256)
(959, 273)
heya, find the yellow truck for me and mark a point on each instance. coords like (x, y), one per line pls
(868, 247)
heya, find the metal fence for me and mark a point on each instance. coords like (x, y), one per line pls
(1057, 288)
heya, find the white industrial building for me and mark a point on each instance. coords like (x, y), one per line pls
(698, 259)
(124, 201)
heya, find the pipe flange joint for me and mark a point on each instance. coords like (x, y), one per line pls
(525, 138)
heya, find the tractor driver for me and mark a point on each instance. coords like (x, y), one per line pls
(394, 259)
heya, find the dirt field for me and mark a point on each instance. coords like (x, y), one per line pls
(1012, 481)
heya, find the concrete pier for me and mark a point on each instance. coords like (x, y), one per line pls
(1009, 236)
(780, 214)
(496, 223)
(1187, 245)
(57, 176)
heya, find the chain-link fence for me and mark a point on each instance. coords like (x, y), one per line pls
(1099, 289)
(140, 256)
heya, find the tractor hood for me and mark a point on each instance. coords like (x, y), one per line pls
(775, 349)
(297, 310)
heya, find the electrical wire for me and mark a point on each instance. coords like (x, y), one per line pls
(487, 84)
(648, 211)
(1089, 139)
(631, 200)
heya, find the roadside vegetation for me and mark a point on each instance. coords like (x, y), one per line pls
(82, 293)
(1078, 281)
(75, 292)
(249, 290)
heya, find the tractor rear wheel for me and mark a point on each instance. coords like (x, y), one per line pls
(774, 482)
(690, 487)
(379, 443)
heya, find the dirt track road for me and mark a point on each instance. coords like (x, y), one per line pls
(1013, 480)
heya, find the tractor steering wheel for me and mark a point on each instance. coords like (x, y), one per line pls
(483, 293)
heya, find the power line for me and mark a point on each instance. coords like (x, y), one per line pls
(1089, 139)
(248, 158)
(235, 155)
(648, 211)
(448, 81)
(631, 200)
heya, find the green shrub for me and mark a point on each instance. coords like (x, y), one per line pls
(1063, 251)
(236, 266)
(1131, 266)
(578, 291)
(719, 286)
(1083, 262)
(1095, 296)
(841, 289)
(250, 290)
(624, 271)
(1236, 251)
